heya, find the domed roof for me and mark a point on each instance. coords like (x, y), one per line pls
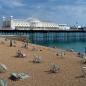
(33, 20)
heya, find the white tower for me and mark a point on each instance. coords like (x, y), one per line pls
(3, 21)
(11, 17)
(3, 18)
(11, 23)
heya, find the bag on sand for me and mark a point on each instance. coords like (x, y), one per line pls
(3, 82)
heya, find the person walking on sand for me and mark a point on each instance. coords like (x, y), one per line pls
(11, 43)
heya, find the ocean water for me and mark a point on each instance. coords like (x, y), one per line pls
(65, 40)
(78, 46)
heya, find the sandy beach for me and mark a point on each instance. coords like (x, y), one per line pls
(70, 66)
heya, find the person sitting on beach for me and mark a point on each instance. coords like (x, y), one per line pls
(60, 53)
(26, 45)
(20, 54)
(80, 54)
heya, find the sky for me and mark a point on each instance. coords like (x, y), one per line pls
(58, 11)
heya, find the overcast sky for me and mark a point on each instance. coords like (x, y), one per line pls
(59, 11)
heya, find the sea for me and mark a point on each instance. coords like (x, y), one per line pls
(77, 46)
(71, 40)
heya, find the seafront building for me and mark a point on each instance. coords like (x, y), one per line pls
(31, 24)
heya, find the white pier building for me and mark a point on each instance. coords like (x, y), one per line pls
(31, 24)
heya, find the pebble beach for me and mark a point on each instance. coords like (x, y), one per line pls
(70, 66)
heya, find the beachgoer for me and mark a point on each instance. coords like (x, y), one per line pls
(11, 43)
(19, 53)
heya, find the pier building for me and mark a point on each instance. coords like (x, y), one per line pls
(31, 24)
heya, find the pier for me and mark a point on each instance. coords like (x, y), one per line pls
(47, 35)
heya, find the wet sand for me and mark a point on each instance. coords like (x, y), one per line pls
(70, 66)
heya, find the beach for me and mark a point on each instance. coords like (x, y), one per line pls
(70, 66)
